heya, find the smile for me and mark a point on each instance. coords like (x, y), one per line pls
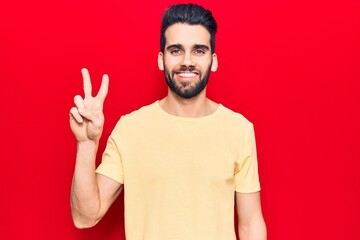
(187, 74)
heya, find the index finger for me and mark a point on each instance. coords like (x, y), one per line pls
(87, 82)
(103, 88)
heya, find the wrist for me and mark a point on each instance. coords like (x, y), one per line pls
(86, 152)
(88, 144)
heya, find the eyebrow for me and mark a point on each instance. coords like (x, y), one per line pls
(196, 46)
(201, 46)
(174, 46)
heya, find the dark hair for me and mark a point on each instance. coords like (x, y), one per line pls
(191, 14)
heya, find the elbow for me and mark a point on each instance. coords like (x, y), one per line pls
(83, 222)
(255, 230)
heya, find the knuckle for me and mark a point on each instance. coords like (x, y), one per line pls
(73, 110)
(77, 98)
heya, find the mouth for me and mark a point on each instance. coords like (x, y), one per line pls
(187, 74)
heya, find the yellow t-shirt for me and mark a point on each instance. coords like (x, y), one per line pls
(180, 174)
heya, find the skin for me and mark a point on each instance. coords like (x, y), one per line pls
(188, 54)
(92, 194)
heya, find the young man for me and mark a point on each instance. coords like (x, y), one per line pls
(181, 159)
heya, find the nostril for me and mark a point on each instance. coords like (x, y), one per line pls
(185, 68)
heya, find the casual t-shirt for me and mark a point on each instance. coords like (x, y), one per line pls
(180, 174)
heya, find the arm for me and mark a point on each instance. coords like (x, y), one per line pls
(91, 194)
(251, 224)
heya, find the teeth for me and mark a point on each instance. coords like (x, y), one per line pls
(187, 74)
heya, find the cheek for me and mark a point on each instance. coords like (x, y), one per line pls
(171, 63)
(203, 62)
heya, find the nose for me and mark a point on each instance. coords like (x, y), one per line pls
(187, 59)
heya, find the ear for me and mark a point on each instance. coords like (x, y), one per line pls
(161, 61)
(214, 64)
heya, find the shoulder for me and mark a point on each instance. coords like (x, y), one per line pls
(137, 117)
(141, 112)
(235, 119)
(237, 127)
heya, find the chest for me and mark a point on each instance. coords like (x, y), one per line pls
(181, 158)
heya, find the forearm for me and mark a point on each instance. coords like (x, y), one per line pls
(85, 199)
(253, 231)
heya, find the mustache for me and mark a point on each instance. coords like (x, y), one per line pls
(186, 69)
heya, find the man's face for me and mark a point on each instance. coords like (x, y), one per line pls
(187, 59)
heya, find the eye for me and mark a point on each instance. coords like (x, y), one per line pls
(199, 52)
(175, 51)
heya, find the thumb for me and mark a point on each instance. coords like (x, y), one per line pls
(86, 114)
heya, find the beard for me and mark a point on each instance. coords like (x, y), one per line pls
(186, 90)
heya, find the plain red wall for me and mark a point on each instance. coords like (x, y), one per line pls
(291, 67)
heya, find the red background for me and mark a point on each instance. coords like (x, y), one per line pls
(291, 67)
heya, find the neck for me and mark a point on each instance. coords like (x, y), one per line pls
(198, 106)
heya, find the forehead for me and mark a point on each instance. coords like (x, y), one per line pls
(187, 35)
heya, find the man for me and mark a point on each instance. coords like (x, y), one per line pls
(181, 159)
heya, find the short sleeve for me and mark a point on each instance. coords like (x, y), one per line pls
(246, 170)
(111, 164)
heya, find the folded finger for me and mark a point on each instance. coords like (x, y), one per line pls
(79, 103)
(75, 115)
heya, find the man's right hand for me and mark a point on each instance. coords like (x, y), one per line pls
(91, 194)
(87, 118)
